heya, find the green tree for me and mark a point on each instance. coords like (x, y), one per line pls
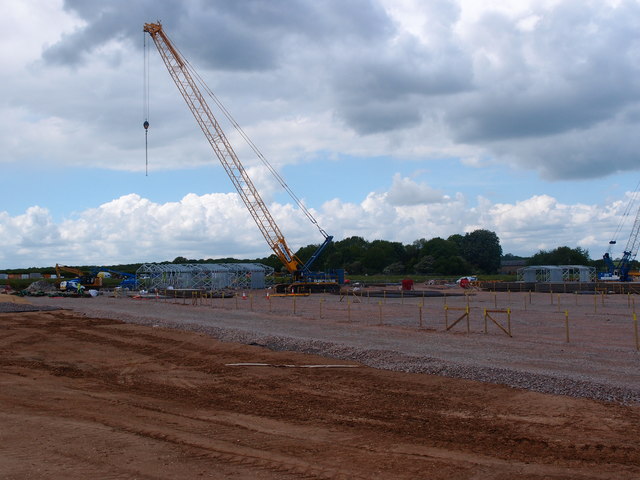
(424, 265)
(396, 268)
(440, 248)
(561, 256)
(481, 248)
(380, 254)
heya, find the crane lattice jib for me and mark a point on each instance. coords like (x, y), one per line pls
(631, 249)
(191, 93)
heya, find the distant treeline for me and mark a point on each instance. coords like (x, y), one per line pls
(477, 252)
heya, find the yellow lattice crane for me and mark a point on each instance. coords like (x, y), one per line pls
(183, 76)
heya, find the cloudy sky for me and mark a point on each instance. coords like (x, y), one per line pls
(390, 119)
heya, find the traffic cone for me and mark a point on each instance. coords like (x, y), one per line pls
(244, 296)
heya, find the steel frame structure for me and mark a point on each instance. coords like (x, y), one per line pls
(557, 273)
(204, 276)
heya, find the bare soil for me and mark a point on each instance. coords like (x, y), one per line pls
(103, 389)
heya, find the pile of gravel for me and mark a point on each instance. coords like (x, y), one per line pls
(10, 307)
(41, 286)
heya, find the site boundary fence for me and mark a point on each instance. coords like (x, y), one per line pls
(536, 316)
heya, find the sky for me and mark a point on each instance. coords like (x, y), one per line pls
(390, 119)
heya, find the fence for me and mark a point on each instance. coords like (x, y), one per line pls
(595, 319)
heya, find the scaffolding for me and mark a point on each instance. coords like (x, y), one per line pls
(557, 273)
(204, 276)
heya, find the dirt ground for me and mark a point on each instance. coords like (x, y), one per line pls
(84, 397)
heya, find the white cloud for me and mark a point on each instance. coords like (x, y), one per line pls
(134, 229)
(405, 192)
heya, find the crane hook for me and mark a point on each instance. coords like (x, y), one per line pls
(146, 148)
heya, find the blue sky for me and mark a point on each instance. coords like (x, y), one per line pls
(391, 119)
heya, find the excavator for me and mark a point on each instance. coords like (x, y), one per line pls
(82, 279)
(184, 76)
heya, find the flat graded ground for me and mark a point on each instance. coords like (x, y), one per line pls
(88, 397)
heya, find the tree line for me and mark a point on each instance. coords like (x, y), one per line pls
(477, 252)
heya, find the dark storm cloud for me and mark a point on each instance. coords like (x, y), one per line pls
(246, 35)
(574, 70)
(559, 98)
(398, 80)
(557, 95)
(105, 21)
(389, 85)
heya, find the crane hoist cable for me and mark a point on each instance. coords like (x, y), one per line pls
(186, 80)
(625, 215)
(145, 101)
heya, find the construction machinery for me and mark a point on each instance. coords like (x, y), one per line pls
(184, 76)
(82, 279)
(128, 280)
(619, 269)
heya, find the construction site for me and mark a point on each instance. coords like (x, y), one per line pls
(488, 385)
(234, 370)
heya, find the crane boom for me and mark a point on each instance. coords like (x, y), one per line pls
(179, 71)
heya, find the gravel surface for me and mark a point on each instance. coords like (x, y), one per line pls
(597, 365)
(10, 307)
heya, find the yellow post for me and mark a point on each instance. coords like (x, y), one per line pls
(420, 310)
(485, 320)
(551, 295)
(349, 309)
(495, 300)
(509, 321)
(380, 312)
(566, 325)
(401, 297)
(468, 325)
(602, 297)
(635, 329)
(251, 301)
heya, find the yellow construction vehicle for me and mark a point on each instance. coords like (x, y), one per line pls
(83, 279)
(304, 280)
